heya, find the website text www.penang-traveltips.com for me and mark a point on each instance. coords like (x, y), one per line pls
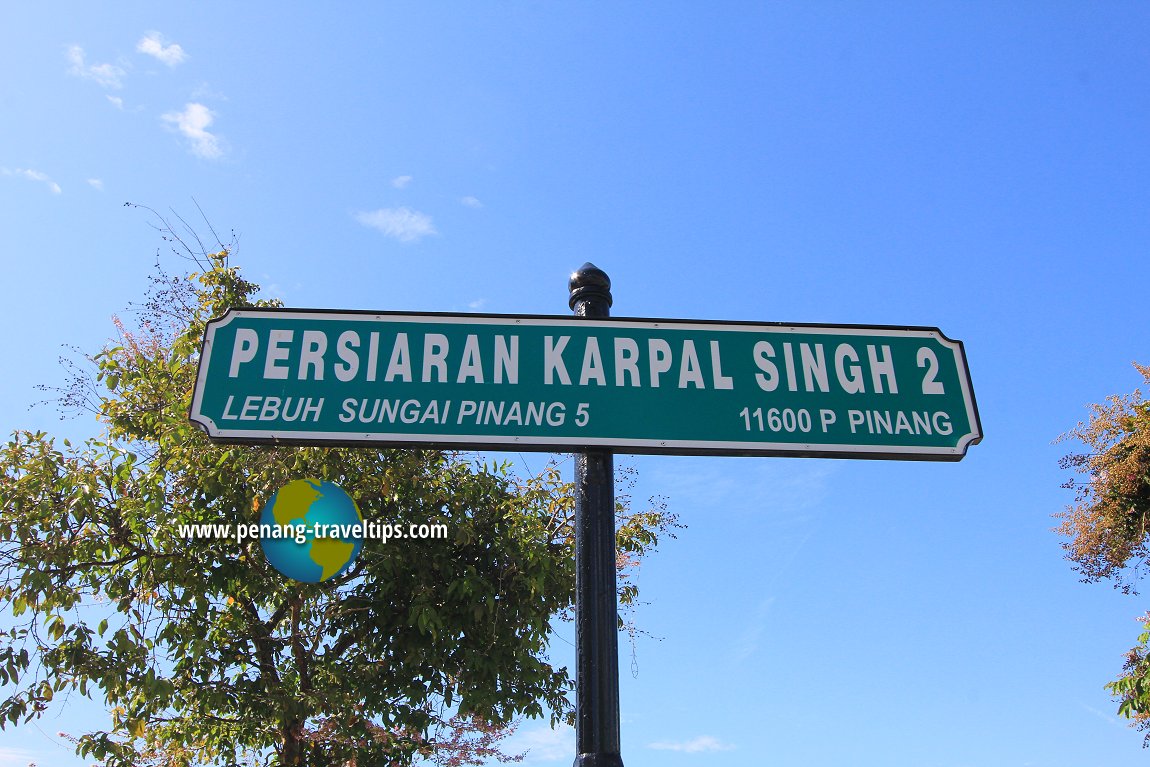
(300, 533)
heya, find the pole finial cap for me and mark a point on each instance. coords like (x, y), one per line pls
(589, 282)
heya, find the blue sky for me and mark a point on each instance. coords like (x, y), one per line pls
(979, 167)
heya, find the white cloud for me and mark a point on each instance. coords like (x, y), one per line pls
(116, 101)
(477, 304)
(694, 746)
(96, 184)
(107, 75)
(33, 175)
(152, 44)
(401, 182)
(471, 202)
(402, 224)
(193, 124)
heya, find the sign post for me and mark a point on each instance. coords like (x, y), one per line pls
(596, 602)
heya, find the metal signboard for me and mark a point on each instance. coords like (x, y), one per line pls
(513, 382)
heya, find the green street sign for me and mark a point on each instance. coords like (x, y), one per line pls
(515, 382)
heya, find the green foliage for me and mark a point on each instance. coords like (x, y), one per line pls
(203, 652)
(1132, 689)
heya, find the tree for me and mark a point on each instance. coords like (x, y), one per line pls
(1108, 527)
(203, 652)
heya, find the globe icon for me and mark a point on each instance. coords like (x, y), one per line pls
(308, 503)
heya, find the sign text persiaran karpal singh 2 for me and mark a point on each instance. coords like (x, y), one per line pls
(651, 385)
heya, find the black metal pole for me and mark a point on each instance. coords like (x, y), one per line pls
(596, 602)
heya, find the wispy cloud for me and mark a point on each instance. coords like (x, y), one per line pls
(152, 44)
(776, 488)
(1103, 715)
(33, 175)
(402, 224)
(401, 182)
(698, 745)
(471, 202)
(477, 304)
(205, 92)
(115, 101)
(780, 500)
(96, 184)
(543, 744)
(17, 757)
(747, 643)
(193, 123)
(272, 288)
(106, 75)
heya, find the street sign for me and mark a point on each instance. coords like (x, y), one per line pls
(516, 382)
